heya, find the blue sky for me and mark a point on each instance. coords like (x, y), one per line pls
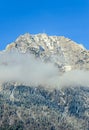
(69, 18)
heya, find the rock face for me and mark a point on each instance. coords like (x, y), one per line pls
(60, 50)
(36, 108)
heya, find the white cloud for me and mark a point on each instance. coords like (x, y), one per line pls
(28, 70)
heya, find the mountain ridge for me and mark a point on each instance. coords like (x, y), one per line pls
(66, 52)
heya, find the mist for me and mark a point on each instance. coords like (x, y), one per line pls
(26, 69)
(31, 71)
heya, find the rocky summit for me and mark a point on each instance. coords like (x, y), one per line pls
(34, 107)
(62, 51)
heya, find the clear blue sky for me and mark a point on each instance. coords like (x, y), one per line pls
(69, 18)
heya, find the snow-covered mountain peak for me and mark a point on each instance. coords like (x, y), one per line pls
(48, 42)
(60, 50)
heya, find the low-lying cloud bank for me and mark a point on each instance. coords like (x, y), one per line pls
(26, 69)
(74, 78)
